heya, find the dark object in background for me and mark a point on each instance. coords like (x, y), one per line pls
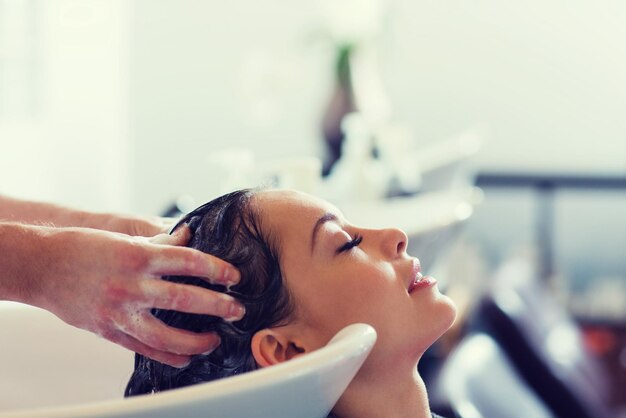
(478, 380)
(182, 205)
(606, 339)
(340, 104)
(544, 343)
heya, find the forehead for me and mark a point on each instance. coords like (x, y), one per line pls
(288, 212)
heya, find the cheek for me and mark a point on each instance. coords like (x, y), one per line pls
(325, 309)
(354, 289)
(337, 302)
(373, 291)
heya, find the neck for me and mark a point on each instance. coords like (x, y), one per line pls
(388, 394)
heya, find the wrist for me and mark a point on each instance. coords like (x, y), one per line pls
(23, 254)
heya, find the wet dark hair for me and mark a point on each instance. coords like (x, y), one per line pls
(229, 228)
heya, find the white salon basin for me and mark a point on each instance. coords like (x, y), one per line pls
(45, 362)
(306, 387)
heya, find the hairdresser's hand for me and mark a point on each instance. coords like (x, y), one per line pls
(146, 226)
(107, 283)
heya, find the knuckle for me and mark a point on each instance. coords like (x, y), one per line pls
(114, 291)
(194, 261)
(134, 258)
(222, 306)
(180, 299)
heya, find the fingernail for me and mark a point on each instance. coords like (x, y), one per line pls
(183, 365)
(218, 341)
(235, 312)
(230, 276)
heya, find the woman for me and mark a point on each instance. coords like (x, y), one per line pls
(306, 273)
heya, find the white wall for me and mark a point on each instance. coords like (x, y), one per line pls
(209, 75)
(73, 147)
(137, 94)
(546, 79)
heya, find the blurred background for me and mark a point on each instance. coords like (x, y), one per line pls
(507, 119)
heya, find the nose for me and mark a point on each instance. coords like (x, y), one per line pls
(395, 242)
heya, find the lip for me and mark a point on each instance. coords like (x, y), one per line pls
(419, 281)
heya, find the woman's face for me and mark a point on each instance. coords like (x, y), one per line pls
(336, 280)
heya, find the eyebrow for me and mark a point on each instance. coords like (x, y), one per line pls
(321, 221)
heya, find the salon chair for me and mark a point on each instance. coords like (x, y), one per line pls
(478, 381)
(307, 386)
(543, 343)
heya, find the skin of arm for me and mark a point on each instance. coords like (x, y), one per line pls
(41, 213)
(107, 282)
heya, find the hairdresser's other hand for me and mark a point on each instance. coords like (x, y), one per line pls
(143, 226)
(107, 283)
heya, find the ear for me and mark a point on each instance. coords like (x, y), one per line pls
(273, 346)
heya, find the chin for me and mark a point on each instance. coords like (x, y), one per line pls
(448, 312)
(440, 321)
(444, 314)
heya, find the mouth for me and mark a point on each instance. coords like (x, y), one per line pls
(418, 279)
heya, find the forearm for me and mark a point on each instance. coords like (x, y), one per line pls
(40, 213)
(22, 257)
(48, 214)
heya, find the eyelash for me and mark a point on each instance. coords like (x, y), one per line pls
(354, 242)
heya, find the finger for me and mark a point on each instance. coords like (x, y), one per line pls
(182, 261)
(192, 299)
(131, 343)
(154, 333)
(168, 223)
(161, 239)
(180, 237)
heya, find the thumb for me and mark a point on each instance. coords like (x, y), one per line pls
(179, 237)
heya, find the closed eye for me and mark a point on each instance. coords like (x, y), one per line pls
(354, 242)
